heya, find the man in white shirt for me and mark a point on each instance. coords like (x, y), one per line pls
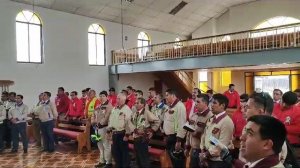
(260, 144)
(18, 115)
(2, 118)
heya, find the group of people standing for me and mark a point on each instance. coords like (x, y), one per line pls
(14, 115)
(200, 128)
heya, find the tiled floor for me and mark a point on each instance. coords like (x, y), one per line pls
(64, 156)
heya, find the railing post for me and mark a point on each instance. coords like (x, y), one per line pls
(294, 34)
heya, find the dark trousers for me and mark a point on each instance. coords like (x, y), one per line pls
(16, 129)
(36, 124)
(7, 132)
(48, 136)
(142, 153)
(120, 151)
(218, 164)
(194, 163)
(171, 141)
(1, 136)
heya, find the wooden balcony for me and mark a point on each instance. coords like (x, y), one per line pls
(287, 36)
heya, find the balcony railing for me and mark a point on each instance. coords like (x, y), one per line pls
(280, 37)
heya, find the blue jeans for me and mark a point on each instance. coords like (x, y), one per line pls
(16, 129)
(48, 136)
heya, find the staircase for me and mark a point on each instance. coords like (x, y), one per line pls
(178, 80)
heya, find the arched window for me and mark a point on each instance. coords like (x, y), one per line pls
(178, 44)
(226, 38)
(276, 21)
(143, 43)
(29, 37)
(96, 37)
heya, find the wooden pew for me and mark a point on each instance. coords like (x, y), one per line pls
(79, 133)
(157, 152)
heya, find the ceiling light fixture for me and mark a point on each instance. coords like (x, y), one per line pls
(130, 1)
(178, 8)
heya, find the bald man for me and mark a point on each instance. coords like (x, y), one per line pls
(119, 129)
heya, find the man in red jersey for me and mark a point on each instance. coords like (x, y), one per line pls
(297, 91)
(289, 114)
(112, 97)
(62, 103)
(75, 107)
(131, 97)
(237, 117)
(233, 97)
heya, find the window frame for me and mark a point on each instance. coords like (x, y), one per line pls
(272, 32)
(104, 45)
(41, 38)
(142, 48)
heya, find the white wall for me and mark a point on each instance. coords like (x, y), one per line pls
(139, 81)
(66, 52)
(246, 16)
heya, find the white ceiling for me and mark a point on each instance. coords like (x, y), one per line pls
(147, 14)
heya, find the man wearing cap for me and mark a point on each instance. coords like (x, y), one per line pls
(112, 97)
(174, 120)
(119, 131)
(233, 97)
(144, 124)
(99, 121)
(198, 122)
(219, 127)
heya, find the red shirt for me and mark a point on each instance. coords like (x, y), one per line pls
(291, 119)
(188, 105)
(112, 100)
(75, 108)
(83, 100)
(234, 99)
(131, 100)
(239, 122)
(150, 102)
(62, 103)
